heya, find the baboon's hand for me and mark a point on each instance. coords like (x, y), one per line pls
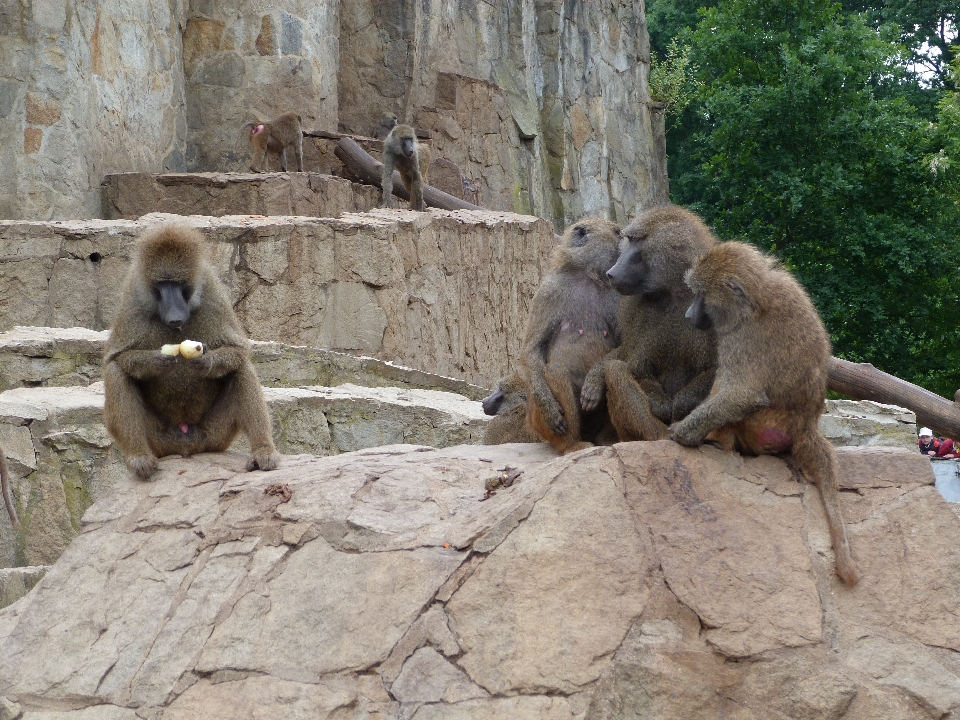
(264, 458)
(685, 434)
(592, 391)
(163, 364)
(552, 413)
(142, 466)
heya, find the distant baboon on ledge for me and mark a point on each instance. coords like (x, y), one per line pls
(402, 151)
(157, 402)
(387, 123)
(664, 367)
(276, 137)
(572, 325)
(773, 353)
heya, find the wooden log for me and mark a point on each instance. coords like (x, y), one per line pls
(862, 381)
(368, 170)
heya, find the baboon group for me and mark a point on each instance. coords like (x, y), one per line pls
(401, 152)
(658, 330)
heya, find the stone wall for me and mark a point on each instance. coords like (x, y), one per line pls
(86, 89)
(441, 291)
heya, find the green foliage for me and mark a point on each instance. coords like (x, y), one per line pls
(801, 143)
(671, 78)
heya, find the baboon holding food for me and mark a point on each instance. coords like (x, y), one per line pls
(276, 137)
(161, 404)
(664, 367)
(508, 405)
(387, 123)
(572, 324)
(771, 380)
(5, 489)
(402, 151)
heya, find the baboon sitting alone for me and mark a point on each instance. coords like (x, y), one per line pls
(402, 151)
(276, 137)
(158, 404)
(773, 353)
(664, 366)
(572, 324)
(387, 123)
(508, 405)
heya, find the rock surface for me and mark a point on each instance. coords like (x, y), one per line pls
(446, 291)
(643, 580)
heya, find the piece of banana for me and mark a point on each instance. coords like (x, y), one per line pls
(191, 349)
(173, 349)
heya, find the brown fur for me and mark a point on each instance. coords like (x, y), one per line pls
(403, 152)
(572, 325)
(151, 397)
(508, 405)
(771, 383)
(5, 488)
(387, 123)
(664, 367)
(276, 137)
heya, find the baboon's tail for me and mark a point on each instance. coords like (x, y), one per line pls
(818, 460)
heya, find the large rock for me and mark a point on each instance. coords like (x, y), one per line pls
(62, 460)
(445, 291)
(644, 580)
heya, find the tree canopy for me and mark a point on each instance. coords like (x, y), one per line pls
(805, 137)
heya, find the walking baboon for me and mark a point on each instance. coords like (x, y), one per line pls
(387, 123)
(276, 137)
(572, 324)
(5, 488)
(664, 367)
(508, 405)
(772, 357)
(163, 404)
(402, 151)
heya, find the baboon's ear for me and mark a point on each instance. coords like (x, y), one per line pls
(579, 238)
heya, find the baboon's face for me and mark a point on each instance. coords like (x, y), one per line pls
(639, 269)
(407, 146)
(173, 302)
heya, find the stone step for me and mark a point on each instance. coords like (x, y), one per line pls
(440, 290)
(132, 195)
(61, 357)
(62, 459)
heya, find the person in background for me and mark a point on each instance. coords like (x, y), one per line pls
(934, 446)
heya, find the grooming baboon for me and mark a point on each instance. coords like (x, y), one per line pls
(772, 356)
(664, 367)
(157, 404)
(402, 151)
(276, 137)
(572, 324)
(387, 123)
(5, 488)
(508, 405)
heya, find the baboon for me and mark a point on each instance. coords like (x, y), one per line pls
(158, 404)
(572, 324)
(664, 366)
(5, 488)
(402, 151)
(508, 405)
(387, 123)
(276, 137)
(772, 356)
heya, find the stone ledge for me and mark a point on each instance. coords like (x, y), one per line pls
(60, 357)
(62, 459)
(132, 195)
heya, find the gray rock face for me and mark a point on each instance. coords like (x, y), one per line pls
(643, 580)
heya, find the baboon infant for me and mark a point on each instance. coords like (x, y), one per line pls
(572, 325)
(664, 367)
(276, 137)
(773, 353)
(159, 404)
(508, 405)
(402, 151)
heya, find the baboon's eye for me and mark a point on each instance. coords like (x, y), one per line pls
(156, 293)
(187, 292)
